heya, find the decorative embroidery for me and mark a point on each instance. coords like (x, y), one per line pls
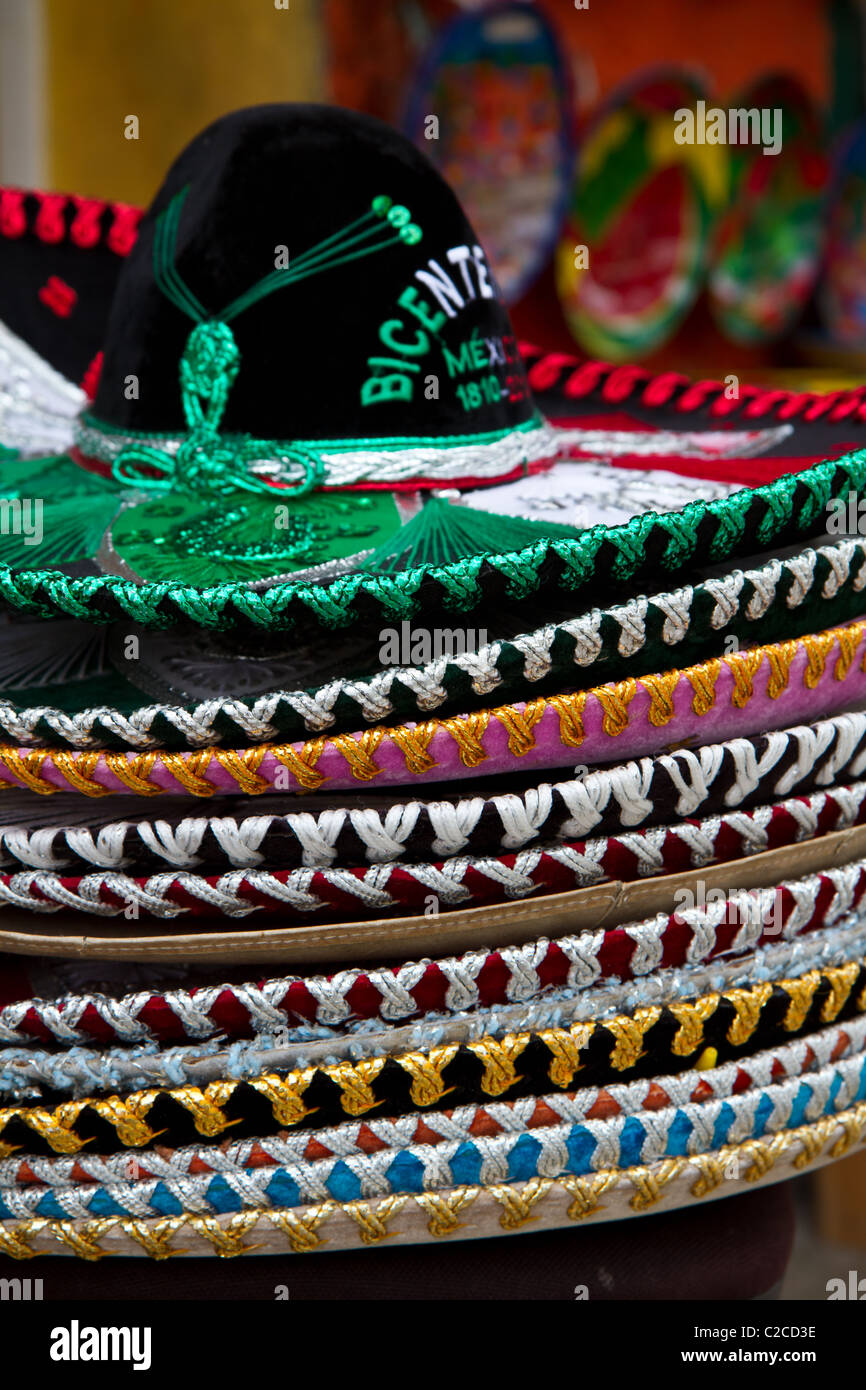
(37, 404)
(27, 1178)
(46, 215)
(445, 747)
(461, 1053)
(301, 894)
(499, 1208)
(496, 1144)
(473, 980)
(670, 390)
(356, 1086)
(59, 297)
(623, 633)
(749, 520)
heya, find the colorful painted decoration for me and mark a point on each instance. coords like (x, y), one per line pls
(768, 243)
(491, 107)
(842, 295)
(631, 256)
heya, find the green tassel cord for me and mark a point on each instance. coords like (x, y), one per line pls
(444, 532)
(53, 511)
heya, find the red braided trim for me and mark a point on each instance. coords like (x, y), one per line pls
(56, 217)
(575, 379)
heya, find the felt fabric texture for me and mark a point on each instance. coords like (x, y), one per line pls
(291, 176)
(81, 243)
(734, 1249)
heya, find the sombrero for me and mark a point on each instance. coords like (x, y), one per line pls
(215, 692)
(205, 397)
(766, 687)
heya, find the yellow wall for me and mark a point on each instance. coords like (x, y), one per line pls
(177, 65)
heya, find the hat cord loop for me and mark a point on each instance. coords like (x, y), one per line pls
(206, 461)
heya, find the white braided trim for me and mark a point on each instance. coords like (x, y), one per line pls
(625, 791)
(41, 890)
(84, 1070)
(48, 849)
(388, 462)
(262, 1003)
(805, 1057)
(257, 721)
(38, 405)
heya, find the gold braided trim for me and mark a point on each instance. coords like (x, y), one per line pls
(780, 658)
(842, 979)
(615, 700)
(302, 765)
(425, 1069)
(570, 709)
(819, 649)
(743, 667)
(27, 768)
(468, 731)
(414, 745)
(128, 1114)
(566, 1048)
(691, 1017)
(703, 680)
(355, 1080)
(499, 1056)
(358, 750)
(748, 1005)
(244, 768)
(443, 1212)
(137, 778)
(78, 769)
(629, 1033)
(555, 1200)
(849, 640)
(519, 725)
(188, 769)
(661, 691)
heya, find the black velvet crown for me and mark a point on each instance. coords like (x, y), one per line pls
(292, 176)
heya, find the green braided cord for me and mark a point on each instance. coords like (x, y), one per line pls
(312, 262)
(205, 463)
(165, 271)
(97, 599)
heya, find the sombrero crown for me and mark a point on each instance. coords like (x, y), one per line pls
(311, 268)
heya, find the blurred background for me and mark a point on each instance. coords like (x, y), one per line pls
(558, 122)
(676, 182)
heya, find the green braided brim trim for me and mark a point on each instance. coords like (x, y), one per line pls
(702, 533)
(511, 670)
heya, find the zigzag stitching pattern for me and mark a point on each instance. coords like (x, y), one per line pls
(519, 573)
(78, 770)
(696, 1087)
(353, 1082)
(268, 715)
(552, 1151)
(305, 1229)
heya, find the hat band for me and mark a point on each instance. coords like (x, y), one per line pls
(423, 462)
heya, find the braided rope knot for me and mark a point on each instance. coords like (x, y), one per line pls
(207, 462)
